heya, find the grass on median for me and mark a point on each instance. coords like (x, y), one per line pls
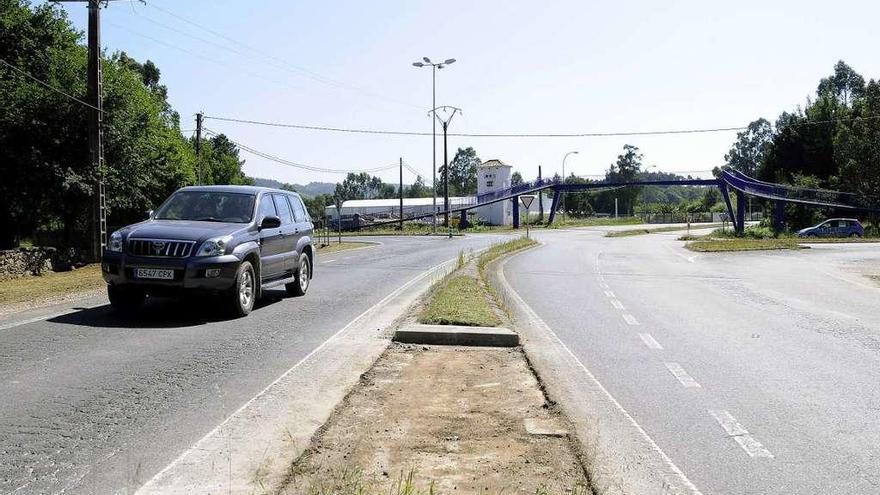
(673, 228)
(461, 300)
(51, 284)
(334, 246)
(743, 244)
(499, 250)
(464, 298)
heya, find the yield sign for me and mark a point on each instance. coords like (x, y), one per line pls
(527, 200)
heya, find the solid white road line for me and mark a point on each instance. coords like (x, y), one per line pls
(650, 341)
(683, 377)
(617, 304)
(733, 429)
(630, 319)
(518, 300)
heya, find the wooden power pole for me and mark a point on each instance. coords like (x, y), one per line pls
(96, 136)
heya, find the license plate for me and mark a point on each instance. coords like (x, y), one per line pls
(154, 273)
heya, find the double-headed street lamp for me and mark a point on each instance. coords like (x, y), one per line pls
(563, 180)
(434, 66)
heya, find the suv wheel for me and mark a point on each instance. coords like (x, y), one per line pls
(855, 234)
(125, 300)
(300, 286)
(243, 293)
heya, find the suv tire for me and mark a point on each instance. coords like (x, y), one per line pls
(125, 300)
(300, 286)
(243, 293)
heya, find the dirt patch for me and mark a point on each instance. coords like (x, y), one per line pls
(449, 416)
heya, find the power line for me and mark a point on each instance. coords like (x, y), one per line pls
(53, 88)
(275, 61)
(522, 135)
(304, 166)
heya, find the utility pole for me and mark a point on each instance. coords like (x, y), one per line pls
(563, 181)
(400, 191)
(540, 199)
(445, 124)
(199, 118)
(96, 137)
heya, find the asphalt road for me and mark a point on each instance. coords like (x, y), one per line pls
(92, 403)
(756, 373)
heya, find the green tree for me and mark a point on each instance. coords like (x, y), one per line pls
(418, 189)
(364, 186)
(844, 85)
(626, 169)
(747, 153)
(462, 172)
(516, 179)
(48, 180)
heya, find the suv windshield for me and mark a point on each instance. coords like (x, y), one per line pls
(208, 206)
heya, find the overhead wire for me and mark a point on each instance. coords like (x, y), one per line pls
(312, 168)
(519, 135)
(49, 86)
(279, 62)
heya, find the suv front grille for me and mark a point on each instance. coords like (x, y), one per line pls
(160, 248)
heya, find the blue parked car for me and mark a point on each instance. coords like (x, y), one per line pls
(834, 227)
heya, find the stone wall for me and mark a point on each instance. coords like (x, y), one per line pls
(22, 262)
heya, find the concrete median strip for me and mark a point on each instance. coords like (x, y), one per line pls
(254, 447)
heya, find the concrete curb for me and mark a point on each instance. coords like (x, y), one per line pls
(457, 335)
(621, 457)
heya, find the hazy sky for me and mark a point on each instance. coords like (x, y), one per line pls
(523, 67)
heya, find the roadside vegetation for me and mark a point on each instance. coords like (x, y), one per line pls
(344, 246)
(51, 284)
(761, 237)
(461, 300)
(674, 228)
(464, 297)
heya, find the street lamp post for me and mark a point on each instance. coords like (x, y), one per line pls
(563, 181)
(445, 124)
(434, 66)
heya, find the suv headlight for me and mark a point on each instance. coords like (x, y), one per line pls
(214, 247)
(115, 244)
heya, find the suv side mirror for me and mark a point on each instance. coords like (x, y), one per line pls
(270, 222)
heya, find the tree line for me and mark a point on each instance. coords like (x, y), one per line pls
(833, 142)
(47, 186)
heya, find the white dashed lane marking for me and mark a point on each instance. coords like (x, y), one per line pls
(609, 294)
(683, 377)
(630, 319)
(328, 261)
(650, 341)
(617, 304)
(733, 429)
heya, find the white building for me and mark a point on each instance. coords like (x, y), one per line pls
(494, 175)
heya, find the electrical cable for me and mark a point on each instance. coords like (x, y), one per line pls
(520, 135)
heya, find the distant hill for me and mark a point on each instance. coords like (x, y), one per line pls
(311, 189)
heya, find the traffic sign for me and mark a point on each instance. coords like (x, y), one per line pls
(527, 199)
